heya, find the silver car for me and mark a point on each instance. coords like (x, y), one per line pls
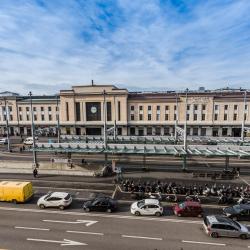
(217, 225)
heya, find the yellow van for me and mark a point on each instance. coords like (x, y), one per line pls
(15, 191)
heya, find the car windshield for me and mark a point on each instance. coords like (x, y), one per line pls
(67, 197)
(237, 208)
(182, 205)
(140, 203)
(236, 224)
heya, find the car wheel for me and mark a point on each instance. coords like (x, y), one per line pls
(86, 209)
(179, 215)
(41, 206)
(158, 214)
(214, 235)
(137, 213)
(109, 210)
(243, 236)
(61, 207)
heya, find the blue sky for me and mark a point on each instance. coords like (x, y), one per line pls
(47, 45)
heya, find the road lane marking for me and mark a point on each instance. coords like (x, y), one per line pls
(33, 228)
(204, 243)
(65, 242)
(80, 232)
(246, 182)
(100, 215)
(87, 222)
(140, 237)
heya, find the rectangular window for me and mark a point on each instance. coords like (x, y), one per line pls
(158, 107)
(10, 108)
(34, 108)
(140, 108)
(188, 117)
(42, 117)
(67, 112)
(149, 117)
(11, 117)
(27, 117)
(50, 117)
(215, 117)
(245, 116)
(132, 131)
(42, 108)
(49, 108)
(175, 117)
(175, 107)
(226, 107)
(224, 131)
(19, 108)
(132, 108)
(166, 117)
(78, 111)
(57, 108)
(203, 117)
(246, 107)
(195, 117)
(166, 107)
(225, 117)
(109, 111)
(195, 107)
(149, 107)
(140, 117)
(20, 117)
(166, 131)
(195, 131)
(35, 117)
(235, 107)
(203, 107)
(235, 117)
(158, 131)
(119, 110)
(157, 117)
(27, 109)
(149, 131)
(216, 107)
(188, 107)
(132, 117)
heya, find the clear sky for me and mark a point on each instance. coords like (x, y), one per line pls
(47, 45)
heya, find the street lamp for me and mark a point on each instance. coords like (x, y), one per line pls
(33, 132)
(185, 125)
(58, 119)
(176, 118)
(7, 122)
(104, 120)
(243, 120)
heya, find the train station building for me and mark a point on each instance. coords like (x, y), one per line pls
(83, 110)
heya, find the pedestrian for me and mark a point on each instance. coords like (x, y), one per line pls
(35, 172)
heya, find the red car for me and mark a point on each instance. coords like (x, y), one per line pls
(188, 208)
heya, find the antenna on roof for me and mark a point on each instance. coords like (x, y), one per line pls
(92, 82)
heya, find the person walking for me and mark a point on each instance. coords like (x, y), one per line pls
(35, 172)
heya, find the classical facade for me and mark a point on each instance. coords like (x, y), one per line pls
(81, 111)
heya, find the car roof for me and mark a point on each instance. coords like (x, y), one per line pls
(219, 219)
(192, 203)
(151, 201)
(59, 194)
(245, 206)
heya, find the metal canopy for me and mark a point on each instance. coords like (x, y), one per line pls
(148, 149)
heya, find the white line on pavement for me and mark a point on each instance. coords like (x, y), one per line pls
(80, 232)
(204, 243)
(100, 215)
(33, 228)
(140, 237)
(246, 182)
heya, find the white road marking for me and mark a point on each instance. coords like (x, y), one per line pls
(140, 237)
(65, 242)
(100, 215)
(80, 232)
(246, 182)
(204, 243)
(33, 228)
(87, 222)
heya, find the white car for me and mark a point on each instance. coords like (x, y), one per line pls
(55, 199)
(3, 141)
(147, 207)
(29, 140)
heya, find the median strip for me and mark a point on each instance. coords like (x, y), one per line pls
(140, 237)
(203, 243)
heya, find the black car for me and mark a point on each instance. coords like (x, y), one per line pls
(100, 204)
(238, 212)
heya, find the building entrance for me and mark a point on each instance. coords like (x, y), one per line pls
(93, 131)
(236, 132)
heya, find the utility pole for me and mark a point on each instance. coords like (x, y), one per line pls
(115, 132)
(177, 118)
(243, 120)
(184, 166)
(104, 124)
(7, 122)
(58, 119)
(33, 132)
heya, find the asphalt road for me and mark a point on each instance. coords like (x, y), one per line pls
(24, 227)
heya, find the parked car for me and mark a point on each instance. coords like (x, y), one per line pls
(188, 208)
(3, 141)
(147, 207)
(55, 199)
(217, 225)
(100, 204)
(29, 140)
(238, 212)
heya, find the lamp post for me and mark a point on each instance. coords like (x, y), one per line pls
(58, 119)
(243, 120)
(33, 132)
(104, 124)
(7, 122)
(177, 118)
(184, 166)
(115, 132)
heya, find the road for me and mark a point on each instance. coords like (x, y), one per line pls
(24, 227)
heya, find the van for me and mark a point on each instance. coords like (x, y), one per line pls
(16, 191)
(29, 141)
(188, 208)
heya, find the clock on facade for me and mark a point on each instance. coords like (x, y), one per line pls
(93, 109)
